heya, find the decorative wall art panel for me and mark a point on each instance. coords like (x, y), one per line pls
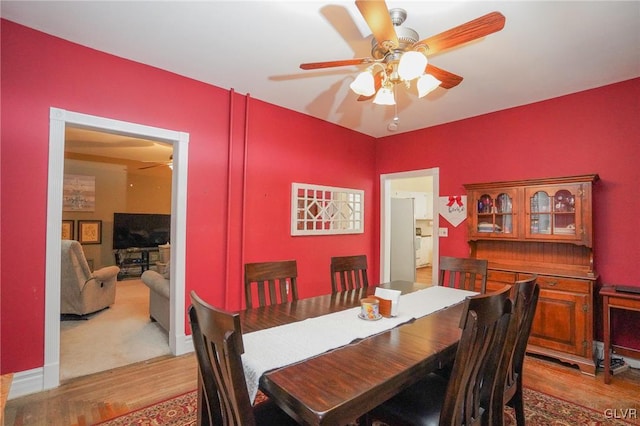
(453, 208)
(326, 210)
(79, 193)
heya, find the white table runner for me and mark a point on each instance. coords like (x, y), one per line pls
(283, 345)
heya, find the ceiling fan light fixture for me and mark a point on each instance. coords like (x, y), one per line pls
(427, 84)
(412, 65)
(363, 84)
(402, 55)
(384, 97)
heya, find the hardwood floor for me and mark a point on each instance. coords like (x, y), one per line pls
(423, 275)
(90, 399)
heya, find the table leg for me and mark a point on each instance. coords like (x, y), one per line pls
(607, 339)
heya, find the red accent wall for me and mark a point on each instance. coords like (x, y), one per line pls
(244, 154)
(595, 131)
(282, 146)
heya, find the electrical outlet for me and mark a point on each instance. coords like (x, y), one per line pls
(443, 232)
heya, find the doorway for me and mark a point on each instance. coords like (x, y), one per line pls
(409, 185)
(59, 120)
(128, 175)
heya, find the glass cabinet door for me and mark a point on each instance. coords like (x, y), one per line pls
(552, 213)
(494, 214)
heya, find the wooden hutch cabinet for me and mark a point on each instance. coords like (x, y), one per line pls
(543, 227)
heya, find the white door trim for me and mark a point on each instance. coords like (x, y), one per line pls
(385, 218)
(59, 119)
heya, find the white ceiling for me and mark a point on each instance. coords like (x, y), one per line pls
(546, 49)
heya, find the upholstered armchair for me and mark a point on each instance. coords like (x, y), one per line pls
(82, 291)
(159, 296)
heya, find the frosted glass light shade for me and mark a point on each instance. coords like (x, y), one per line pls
(412, 65)
(384, 97)
(427, 84)
(363, 84)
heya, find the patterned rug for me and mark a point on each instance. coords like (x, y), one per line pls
(540, 410)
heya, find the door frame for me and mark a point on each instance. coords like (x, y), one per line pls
(58, 120)
(385, 218)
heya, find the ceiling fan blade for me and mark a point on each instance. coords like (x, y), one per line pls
(480, 27)
(447, 78)
(149, 167)
(379, 21)
(158, 163)
(330, 64)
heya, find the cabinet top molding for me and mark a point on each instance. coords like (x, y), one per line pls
(592, 178)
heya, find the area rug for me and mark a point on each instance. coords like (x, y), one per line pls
(540, 410)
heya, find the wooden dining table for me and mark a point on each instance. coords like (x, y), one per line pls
(342, 384)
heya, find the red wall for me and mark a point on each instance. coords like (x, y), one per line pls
(593, 131)
(596, 131)
(40, 71)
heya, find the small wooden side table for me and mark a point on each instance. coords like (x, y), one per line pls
(612, 299)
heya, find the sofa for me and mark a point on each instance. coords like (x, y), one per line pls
(82, 291)
(159, 296)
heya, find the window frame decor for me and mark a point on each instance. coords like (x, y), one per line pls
(67, 229)
(326, 210)
(90, 231)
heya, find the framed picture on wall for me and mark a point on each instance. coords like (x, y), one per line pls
(67, 229)
(90, 231)
(79, 193)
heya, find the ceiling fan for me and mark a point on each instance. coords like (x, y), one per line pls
(398, 56)
(160, 163)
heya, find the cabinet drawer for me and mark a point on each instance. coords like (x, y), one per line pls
(563, 284)
(501, 277)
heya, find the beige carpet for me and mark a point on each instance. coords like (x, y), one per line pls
(120, 335)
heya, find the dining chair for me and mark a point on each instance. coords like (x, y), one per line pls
(462, 273)
(223, 398)
(525, 295)
(465, 398)
(350, 272)
(277, 279)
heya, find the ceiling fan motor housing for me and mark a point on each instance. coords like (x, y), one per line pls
(407, 37)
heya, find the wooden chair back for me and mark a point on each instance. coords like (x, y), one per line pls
(462, 273)
(484, 325)
(525, 296)
(348, 273)
(277, 279)
(223, 398)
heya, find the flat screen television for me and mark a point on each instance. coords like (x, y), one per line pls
(140, 230)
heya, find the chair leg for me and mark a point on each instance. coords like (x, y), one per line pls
(518, 405)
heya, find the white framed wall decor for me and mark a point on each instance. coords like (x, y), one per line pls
(326, 210)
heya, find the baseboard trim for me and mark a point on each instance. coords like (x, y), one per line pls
(32, 381)
(186, 346)
(27, 382)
